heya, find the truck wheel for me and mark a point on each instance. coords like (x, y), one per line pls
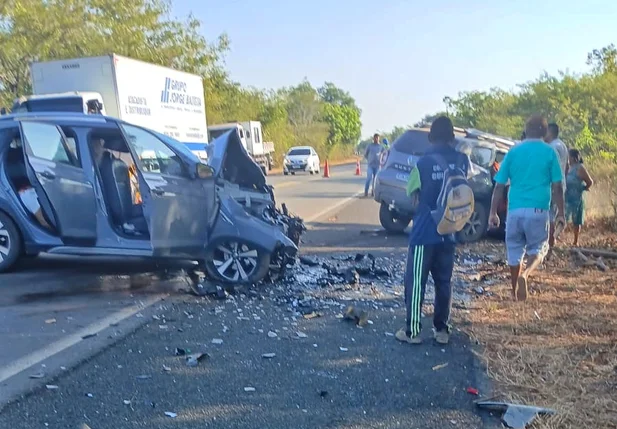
(10, 243)
(477, 226)
(391, 222)
(237, 261)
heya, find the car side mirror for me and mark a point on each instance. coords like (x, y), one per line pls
(204, 171)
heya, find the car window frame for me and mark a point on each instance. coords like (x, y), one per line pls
(137, 160)
(74, 158)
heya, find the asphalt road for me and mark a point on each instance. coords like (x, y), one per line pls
(338, 377)
(50, 302)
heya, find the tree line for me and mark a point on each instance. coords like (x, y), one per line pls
(584, 105)
(326, 117)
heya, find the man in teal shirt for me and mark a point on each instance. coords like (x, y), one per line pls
(533, 171)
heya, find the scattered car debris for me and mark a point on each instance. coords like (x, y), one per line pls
(272, 334)
(51, 387)
(217, 341)
(37, 376)
(343, 349)
(89, 395)
(50, 321)
(301, 334)
(194, 359)
(166, 368)
(359, 317)
(143, 377)
(126, 402)
(85, 337)
(312, 315)
(310, 262)
(515, 416)
(179, 352)
(171, 414)
(473, 391)
(249, 389)
(268, 355)
(440, 366)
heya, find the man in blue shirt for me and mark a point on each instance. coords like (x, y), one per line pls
(430, 252)
(535, 177)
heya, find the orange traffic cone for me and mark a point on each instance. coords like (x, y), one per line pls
(326, 170)
(358, 172)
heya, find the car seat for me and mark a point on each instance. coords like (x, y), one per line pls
(116, 186)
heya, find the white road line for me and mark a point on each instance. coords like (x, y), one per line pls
(40, 355)
(335, 206)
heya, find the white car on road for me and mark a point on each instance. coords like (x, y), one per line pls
(301, 158)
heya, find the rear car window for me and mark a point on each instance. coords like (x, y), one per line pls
(413, 142)
(299, 152)
(63, 104)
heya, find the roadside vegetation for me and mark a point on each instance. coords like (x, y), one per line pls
(326, 118)
(559, 349)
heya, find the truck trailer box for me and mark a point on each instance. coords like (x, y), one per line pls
(165, 100)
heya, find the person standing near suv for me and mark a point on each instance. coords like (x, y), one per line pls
(534, 173)
(552, 138)
(429, 251)
(372, 155)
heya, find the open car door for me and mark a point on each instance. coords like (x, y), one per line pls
(65, 194)
(179, 206)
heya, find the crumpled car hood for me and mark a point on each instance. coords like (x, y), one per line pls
(231, 162)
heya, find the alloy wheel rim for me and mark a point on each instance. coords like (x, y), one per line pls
(473, 225)
(235, 261)
(5, 242)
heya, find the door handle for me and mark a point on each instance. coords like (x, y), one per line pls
(48, 175)
(158, 191)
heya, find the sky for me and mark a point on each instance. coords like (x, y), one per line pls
(399, 58)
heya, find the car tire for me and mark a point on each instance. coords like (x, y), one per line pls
(293, 173)
(285, 173)
(10, 243)
(477, 226)
(255, 264)
(390, 222)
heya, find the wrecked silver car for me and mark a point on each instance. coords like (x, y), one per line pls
(89, 185)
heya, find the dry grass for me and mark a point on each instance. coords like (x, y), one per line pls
(559, 349)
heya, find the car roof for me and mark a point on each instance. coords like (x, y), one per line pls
(301, 147)
(71, 94)
(57, 117)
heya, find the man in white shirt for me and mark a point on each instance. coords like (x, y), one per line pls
(552, 138)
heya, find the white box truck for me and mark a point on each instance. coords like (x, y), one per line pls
(252, 139)
(168, 101)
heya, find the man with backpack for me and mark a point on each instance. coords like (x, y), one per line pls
(444, 203)
(533, 171)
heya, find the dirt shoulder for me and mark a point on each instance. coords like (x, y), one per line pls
(559, 349)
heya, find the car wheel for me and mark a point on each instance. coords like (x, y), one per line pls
(285, 173)
(237, 262)
(311, 172)
(477, 226)
(293, 173)
(10, 243)
(390, 221)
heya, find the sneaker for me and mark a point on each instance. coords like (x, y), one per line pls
(521, 289)
(402, 336)
(442, 337)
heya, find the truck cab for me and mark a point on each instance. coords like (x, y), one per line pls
(77, 102)
(251, 136)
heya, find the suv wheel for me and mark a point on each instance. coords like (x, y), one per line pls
(477, 226)
(392, 222)
(10, 243)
